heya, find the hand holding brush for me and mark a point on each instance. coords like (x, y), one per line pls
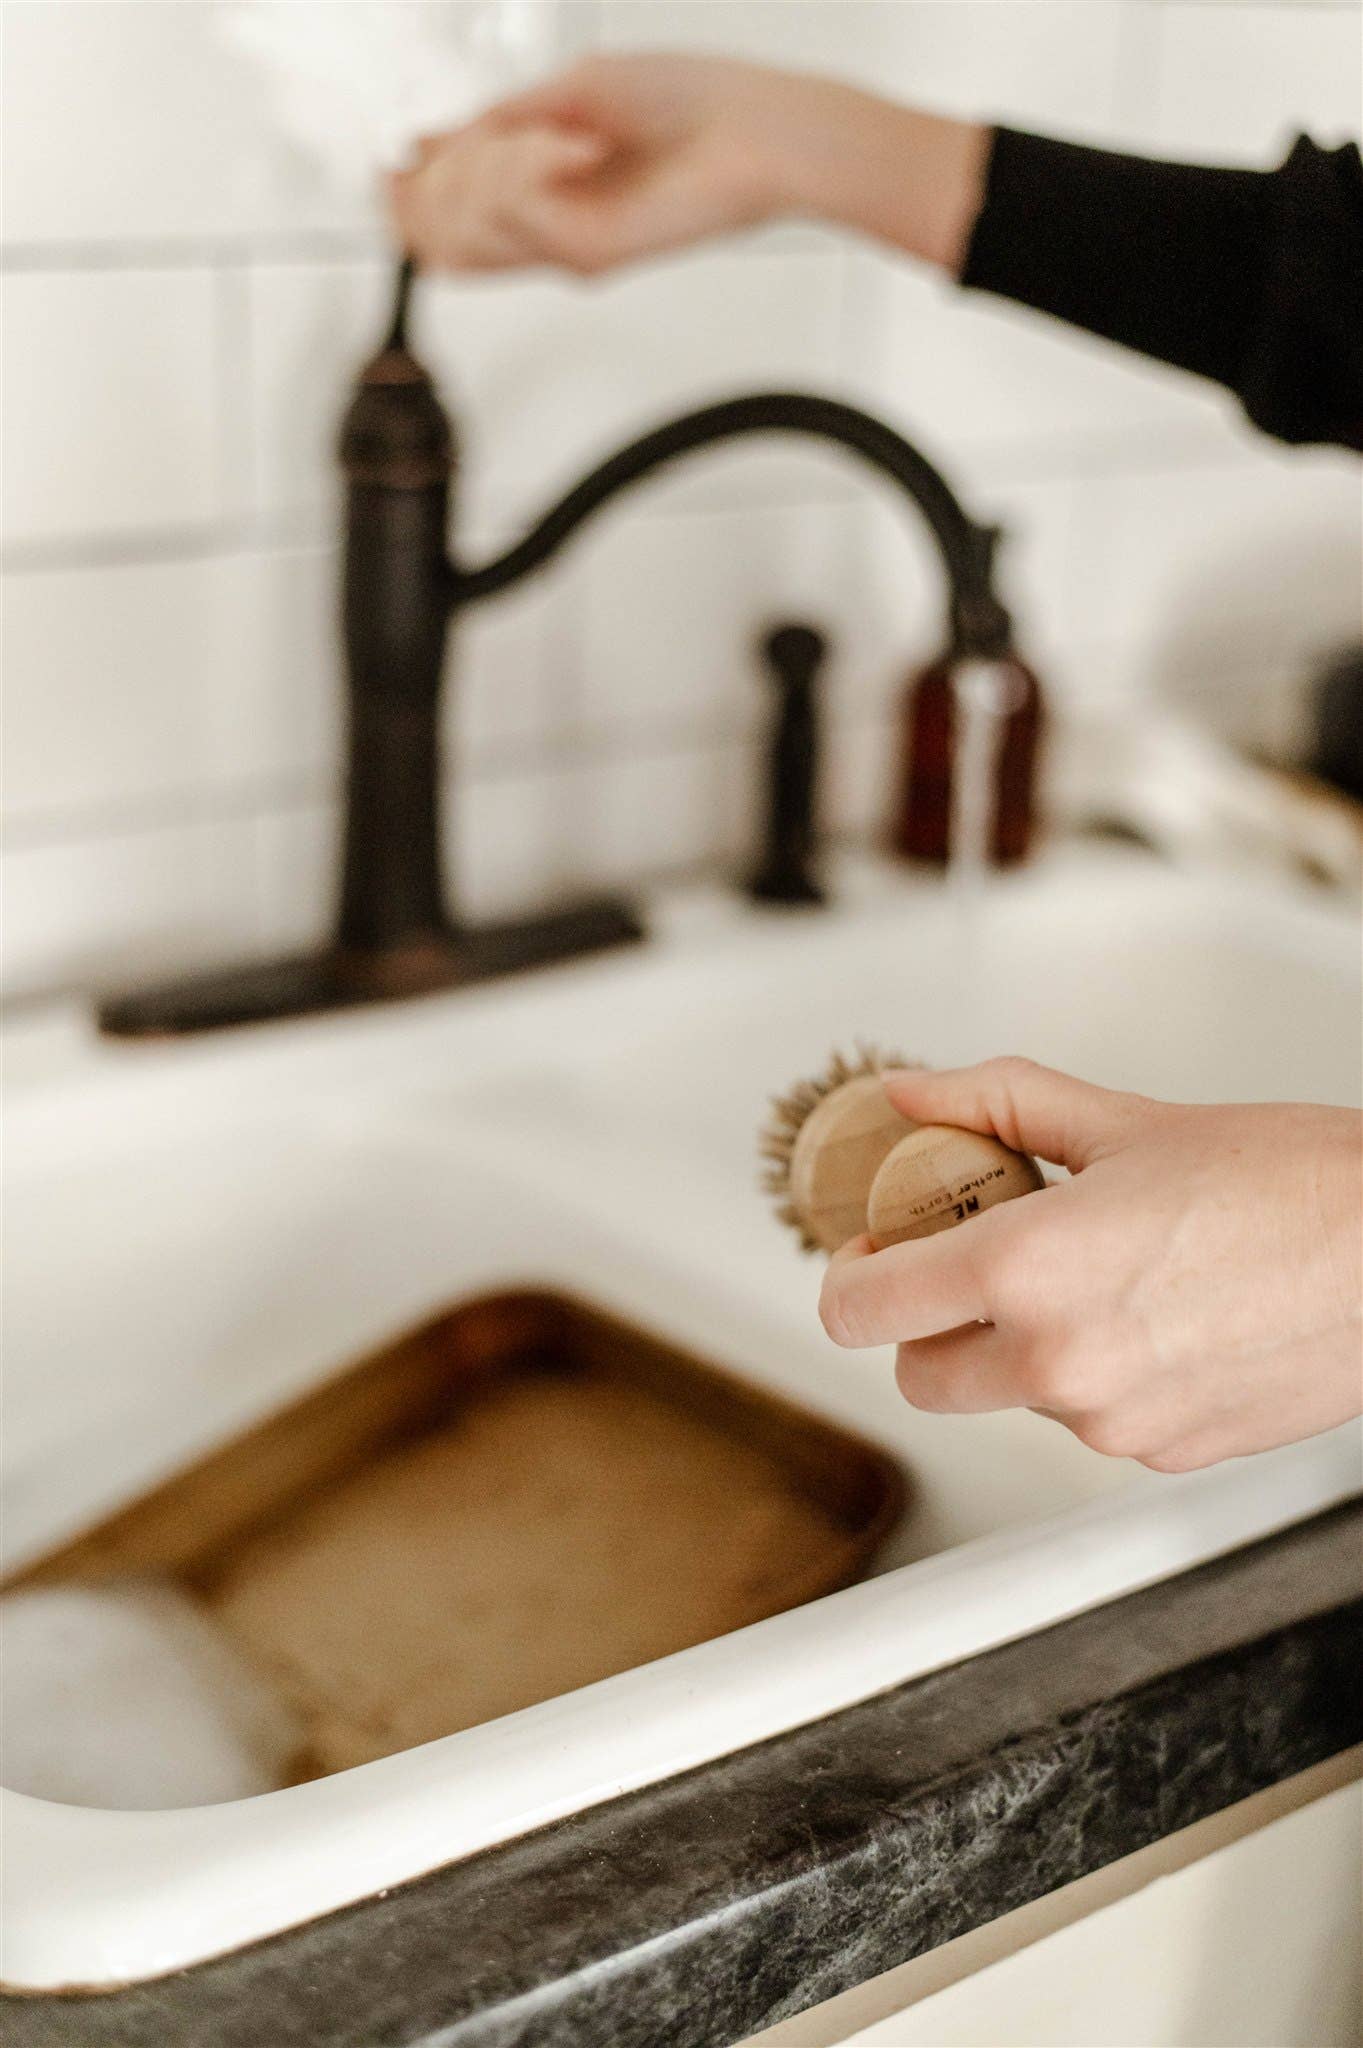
(1193, 1292)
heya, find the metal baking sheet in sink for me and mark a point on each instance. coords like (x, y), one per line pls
(519, 1497)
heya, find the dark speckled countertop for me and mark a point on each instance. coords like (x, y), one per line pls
(698, 1911)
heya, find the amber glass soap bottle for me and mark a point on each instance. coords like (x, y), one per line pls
(921, 826)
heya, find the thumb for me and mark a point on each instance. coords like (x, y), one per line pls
(540, 159)
(1032, 1108)
(593, 229)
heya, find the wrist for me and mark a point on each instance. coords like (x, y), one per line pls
(900, 175)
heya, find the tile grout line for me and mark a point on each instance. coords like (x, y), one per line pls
(989, 467)
(341, 248)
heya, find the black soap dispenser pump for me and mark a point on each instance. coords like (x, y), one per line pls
(786, 871)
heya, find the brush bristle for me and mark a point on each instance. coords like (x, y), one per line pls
(787, 1117)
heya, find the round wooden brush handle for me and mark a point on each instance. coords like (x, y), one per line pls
(939, 1176)
(841, 1144)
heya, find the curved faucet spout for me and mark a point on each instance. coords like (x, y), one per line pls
(980, 626)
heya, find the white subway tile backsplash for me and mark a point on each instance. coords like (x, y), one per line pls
(111, 404)
(514, 841)
(1237, 83)
(113, 677)
(541, 376)
(1001, 391)
(675, 605)
(614, 820)
(655, 813)
(793, 32)
(133, 683)
(548, 375)
(897, 606)
(109, 911)
(511, 675)
(863, 765)
(1210, 566)
(127, 122)
(1050, 64)
(298, 851)
(147, 121)
(1036, 562)
(1021, 60)
(283, 685)
(1221, 590)
(187, 307)
(312, 326)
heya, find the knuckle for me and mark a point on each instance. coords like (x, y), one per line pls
(1036, 1385)
(917, 1387)
(1005, 1080)
(1059, 1373)
(1010, 1266)
(579, 246)
(1009, 1067)
(1109, 1435)
(585, 262)
(1176, 1458)
(1005, 1278)
(834, 1317)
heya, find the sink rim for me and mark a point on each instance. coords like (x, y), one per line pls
(496, 1025)
(99, 1899)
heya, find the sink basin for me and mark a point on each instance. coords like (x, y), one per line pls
(514, 1498)
(197, 1237)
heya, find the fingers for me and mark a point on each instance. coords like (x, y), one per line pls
(578, 97)
(910, 1291)
(597, 225)
(971, 1371)
(472, 200)
(1032, 1108)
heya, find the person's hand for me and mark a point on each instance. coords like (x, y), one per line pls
(1192, 1294)
(626, 156)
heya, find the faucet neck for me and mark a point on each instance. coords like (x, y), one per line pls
(978, 622)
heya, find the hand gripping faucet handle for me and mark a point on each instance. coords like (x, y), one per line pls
(786, 871)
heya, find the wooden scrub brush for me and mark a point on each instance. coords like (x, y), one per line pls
(843, 1161)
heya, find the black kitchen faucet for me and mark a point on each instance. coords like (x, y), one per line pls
(395, 934)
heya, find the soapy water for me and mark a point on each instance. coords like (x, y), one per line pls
(126, 1695)
(984, 696)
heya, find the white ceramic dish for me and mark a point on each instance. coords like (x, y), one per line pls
(195, 1233)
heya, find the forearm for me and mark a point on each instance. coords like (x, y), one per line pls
(901, 175)
(1251, 278)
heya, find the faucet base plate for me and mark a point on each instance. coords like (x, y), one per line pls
(310, 984)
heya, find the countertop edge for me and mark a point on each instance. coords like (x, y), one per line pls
(714, 1904)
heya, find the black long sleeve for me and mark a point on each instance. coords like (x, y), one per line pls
(1252, 278)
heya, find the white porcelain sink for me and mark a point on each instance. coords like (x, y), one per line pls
(1183, 991)
(193, 1235)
